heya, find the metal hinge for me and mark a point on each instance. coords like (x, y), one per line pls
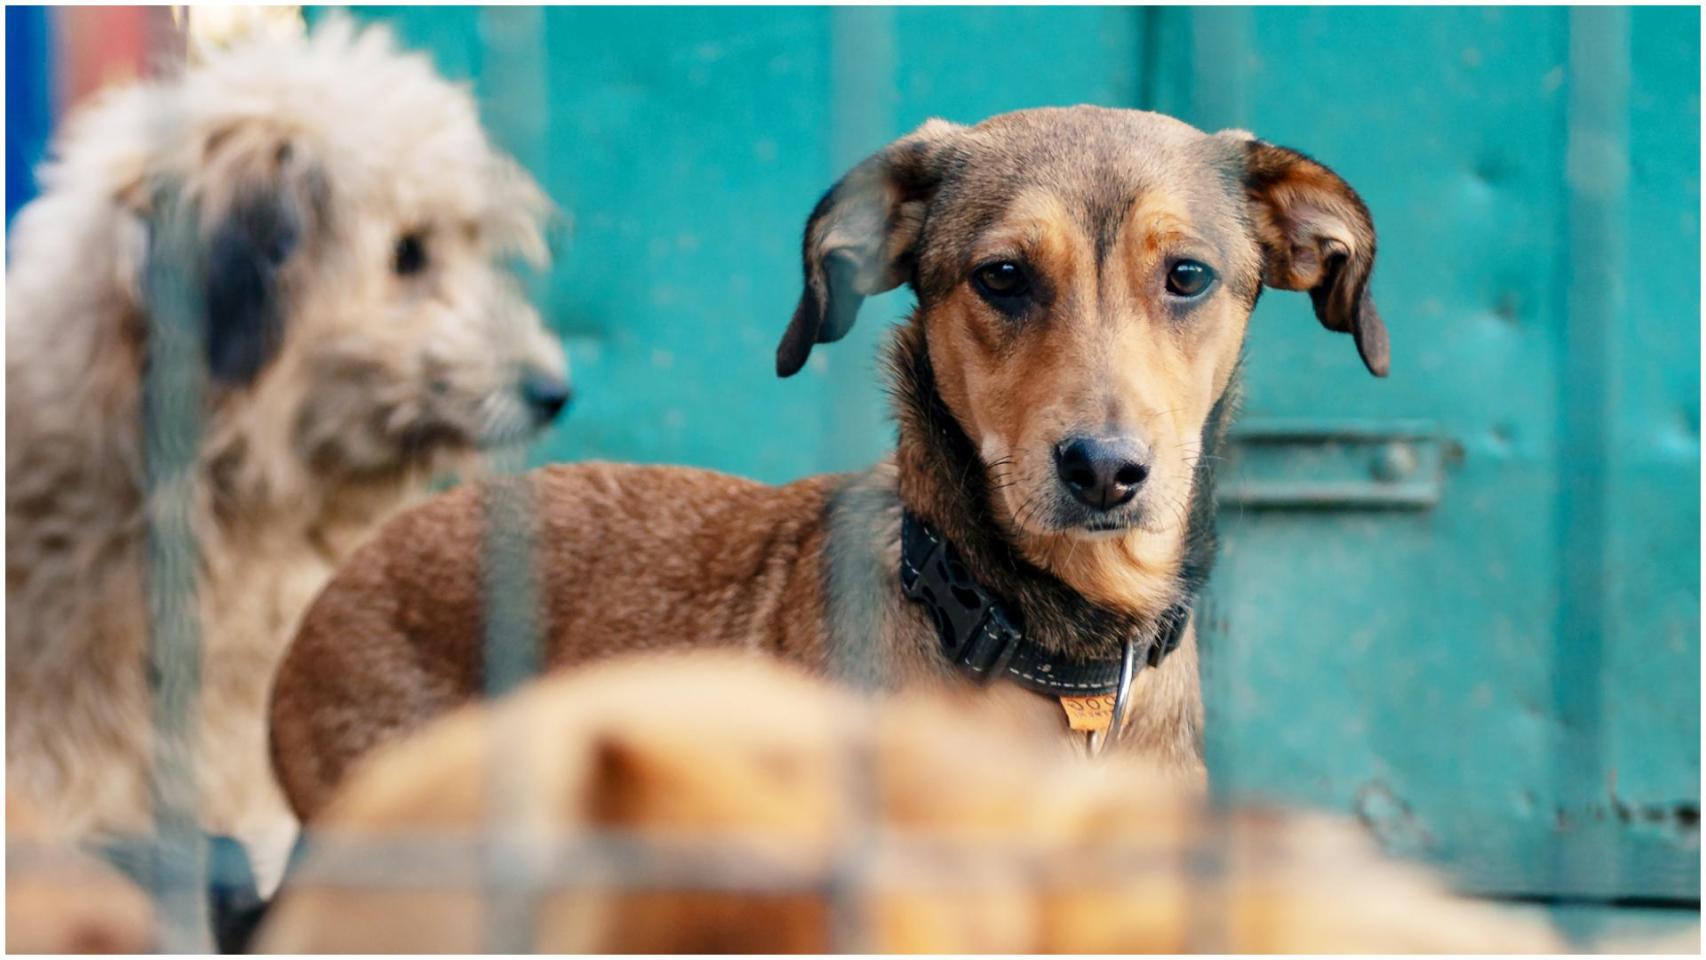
(1328, 465)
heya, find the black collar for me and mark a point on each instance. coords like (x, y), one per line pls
(985, 640)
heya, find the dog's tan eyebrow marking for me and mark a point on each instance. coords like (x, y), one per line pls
(1033, 224)
(1161, 229)
(1177, 242)
(1026, 241)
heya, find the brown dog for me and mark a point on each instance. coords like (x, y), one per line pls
(1084, 277)
(709, 802)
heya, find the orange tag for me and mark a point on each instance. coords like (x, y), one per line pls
(1088, 713)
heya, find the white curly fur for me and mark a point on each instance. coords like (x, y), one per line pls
(380, 382)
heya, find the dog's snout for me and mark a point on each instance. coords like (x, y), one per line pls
(1102, 473)
(546, 396)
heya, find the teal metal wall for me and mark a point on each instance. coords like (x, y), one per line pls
(1463, 602)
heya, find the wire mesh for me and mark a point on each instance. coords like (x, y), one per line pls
(173, 387)
(755, 861)
(513, 96)
(509, 851)
(509, 860)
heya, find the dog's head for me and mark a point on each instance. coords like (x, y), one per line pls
(1084, 277)
(354, 236)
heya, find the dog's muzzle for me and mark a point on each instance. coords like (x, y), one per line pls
(1102, 474)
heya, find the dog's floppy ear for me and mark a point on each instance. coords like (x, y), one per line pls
(518, 213)
(1316, 235)
(257, 224)
(861, 237)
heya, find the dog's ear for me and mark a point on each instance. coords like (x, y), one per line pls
(518, 213)
(1316, 235)
(274, 198)
(861, 237)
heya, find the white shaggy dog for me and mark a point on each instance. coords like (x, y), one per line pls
(360, 333)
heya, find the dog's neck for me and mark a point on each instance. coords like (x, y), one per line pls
(1085, 607)
(250, 498)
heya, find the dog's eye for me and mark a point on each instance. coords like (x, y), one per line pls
(1189, 278)
(410, 257)
(1002, 283)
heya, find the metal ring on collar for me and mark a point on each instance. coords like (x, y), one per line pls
(1122, 702)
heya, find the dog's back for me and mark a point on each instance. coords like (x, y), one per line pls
(627, 557)
(708, 801)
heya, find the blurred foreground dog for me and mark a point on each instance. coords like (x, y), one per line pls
(342, 225)
(718, 803)
(61, 900)
(1084, 280)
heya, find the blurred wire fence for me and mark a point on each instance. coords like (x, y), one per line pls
(514, 869)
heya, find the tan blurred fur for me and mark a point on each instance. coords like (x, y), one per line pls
(1099, 204)
(321, 154)
(59, 900)
(977, 836)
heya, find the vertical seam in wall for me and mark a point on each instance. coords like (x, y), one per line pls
(1149, 56)
(1596, 184)
(1220, 67)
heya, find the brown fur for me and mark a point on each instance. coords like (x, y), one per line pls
(787, 815)
(336, 387)
(1098, 203)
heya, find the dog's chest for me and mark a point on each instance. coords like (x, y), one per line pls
(253, 602)
(876, 637)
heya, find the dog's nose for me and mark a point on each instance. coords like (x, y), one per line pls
(1102, 474)
(546, 396)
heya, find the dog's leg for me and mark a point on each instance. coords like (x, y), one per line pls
(269, 845)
